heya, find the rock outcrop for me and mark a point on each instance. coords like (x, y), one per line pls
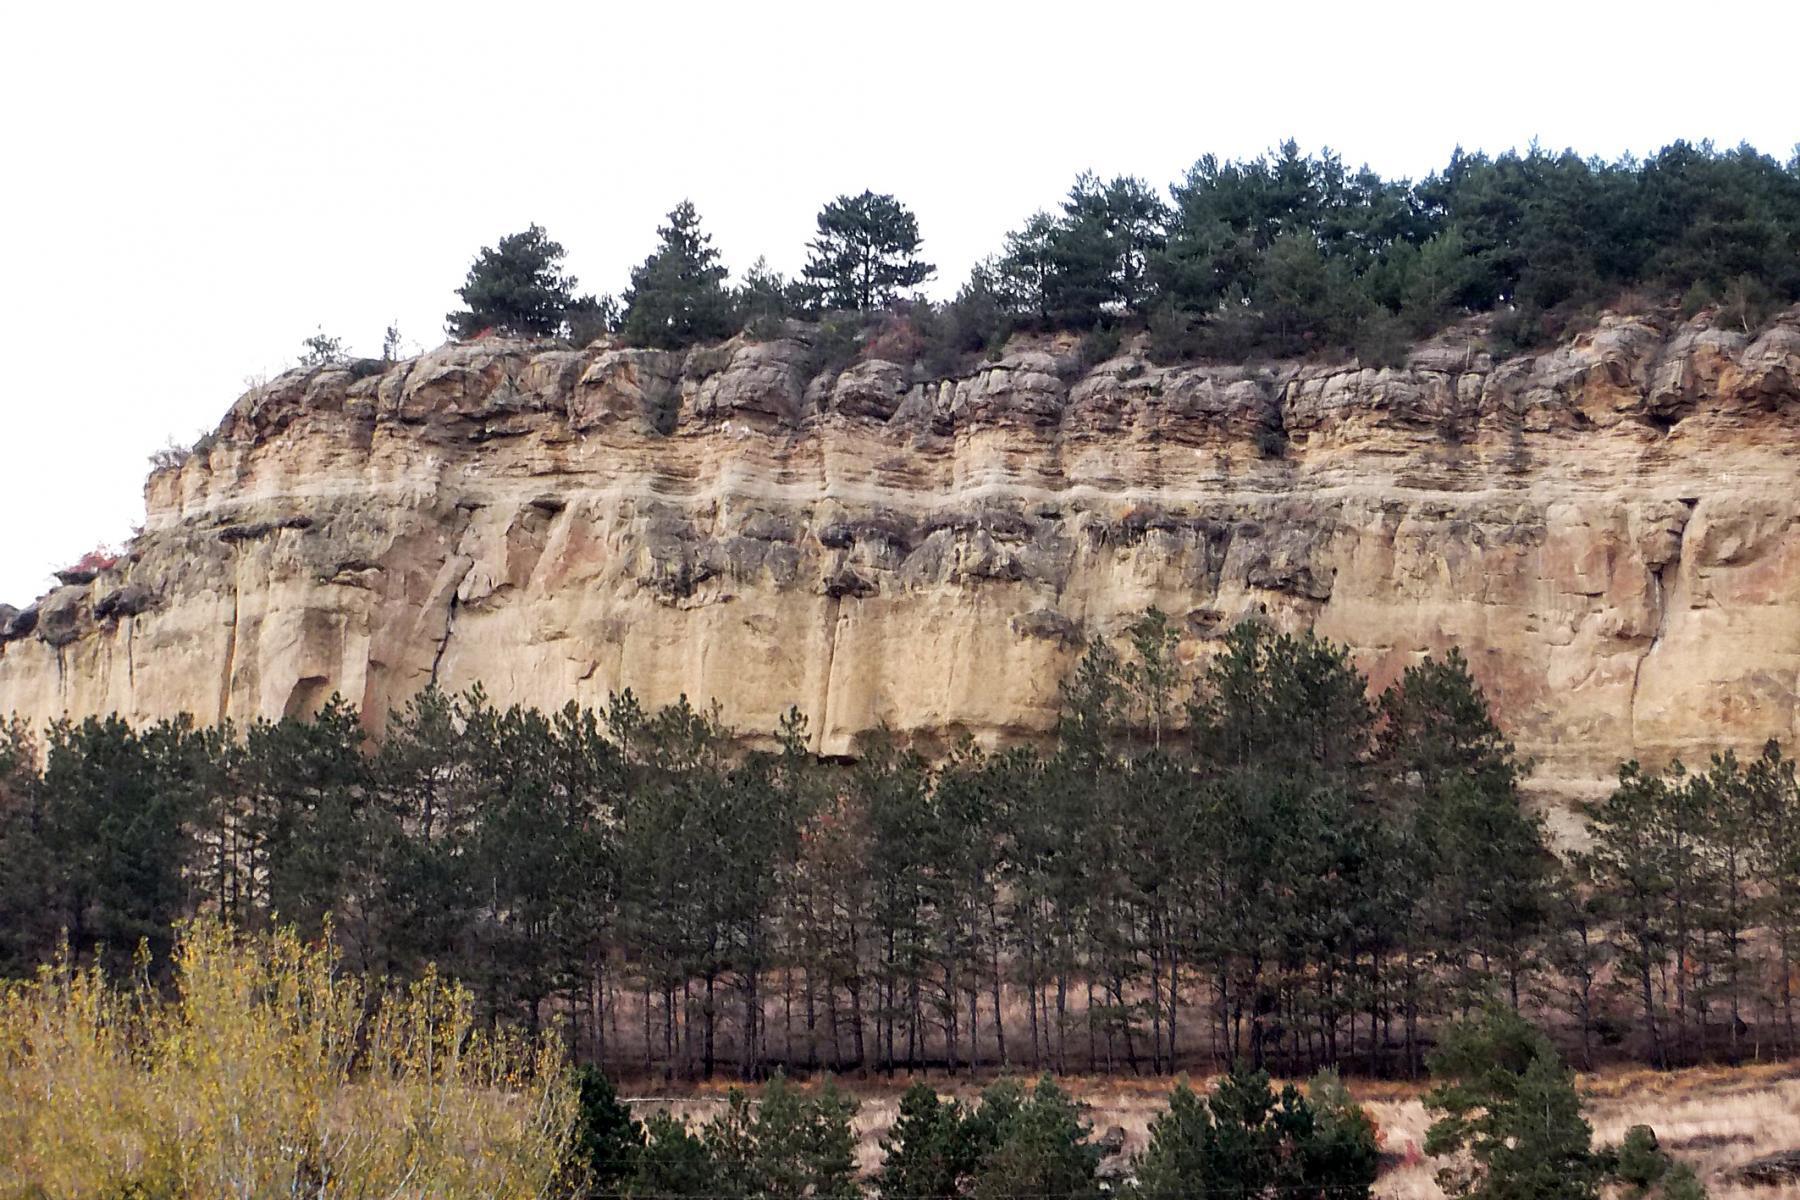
(1605, 528)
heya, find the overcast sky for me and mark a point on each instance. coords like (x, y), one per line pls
(186, 192)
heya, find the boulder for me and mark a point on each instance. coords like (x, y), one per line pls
(1781, 1169)
(18, 624)
(127, 601)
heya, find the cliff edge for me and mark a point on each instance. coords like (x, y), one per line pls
(1606, 529)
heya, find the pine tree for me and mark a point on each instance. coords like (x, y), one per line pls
(1454, 780)
(517, 286)
(677, 297)
(1629, 860)
(1026, 268)
(674, 1163)
(1725, 804)
(1510, 1105)
(789, 1146)
(1246, 1141)
(27, 938)
(607, 1141)
(1040, 1148)
(932, 1149)
(1775, 798)
(865, 253)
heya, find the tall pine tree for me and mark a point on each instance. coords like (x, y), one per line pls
(677, 297)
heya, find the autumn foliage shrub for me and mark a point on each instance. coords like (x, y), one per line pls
(268, 1071)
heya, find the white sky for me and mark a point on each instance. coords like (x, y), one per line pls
(188, 191)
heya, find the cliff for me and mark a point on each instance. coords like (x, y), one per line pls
(1605, 528)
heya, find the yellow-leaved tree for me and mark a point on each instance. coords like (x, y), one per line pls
(268, 1071)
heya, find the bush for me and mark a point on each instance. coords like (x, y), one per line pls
(268, 1072)
(1641, 1164)
(1382, 341)
(169, 457)
(1174, 337)
(837, 341)
(322, 350)
(896, 339)
(1099, 345)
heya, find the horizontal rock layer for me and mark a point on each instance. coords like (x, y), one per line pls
(1604, 528)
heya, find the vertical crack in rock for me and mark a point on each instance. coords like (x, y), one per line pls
(1660, 596)
(833, 609)
(443, 643)
(231, 636)
(455, 592)
(1661, 585)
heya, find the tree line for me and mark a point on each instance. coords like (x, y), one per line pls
(1508, 1126)
(1282, 254)
(1261, 863)
(261, 1066)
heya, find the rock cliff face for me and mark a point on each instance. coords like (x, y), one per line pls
(1605, 528)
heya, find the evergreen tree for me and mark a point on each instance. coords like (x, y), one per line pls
(865, 253)
(1455, 781)
(516, 286)
(1027, 266)
(607, 1140)
(1725, 803)
(1645, 1169)
(1246, 1141)
(1040, 1148)
(932, 1149)
(27, 937)
(592, 317)
(1775, 862)
(110, 817)
(1509, 1105)
(674, 1164)
(297, 796)
(677, 297)
(789, 1146)
(1645, 856)
(765, 299)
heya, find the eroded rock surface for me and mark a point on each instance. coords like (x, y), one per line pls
(1605, 528)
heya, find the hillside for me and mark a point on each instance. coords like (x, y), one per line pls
(1601, 526)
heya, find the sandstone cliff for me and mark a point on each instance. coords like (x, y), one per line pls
(1605, 528)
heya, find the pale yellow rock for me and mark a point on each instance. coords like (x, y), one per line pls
(1606, 529)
